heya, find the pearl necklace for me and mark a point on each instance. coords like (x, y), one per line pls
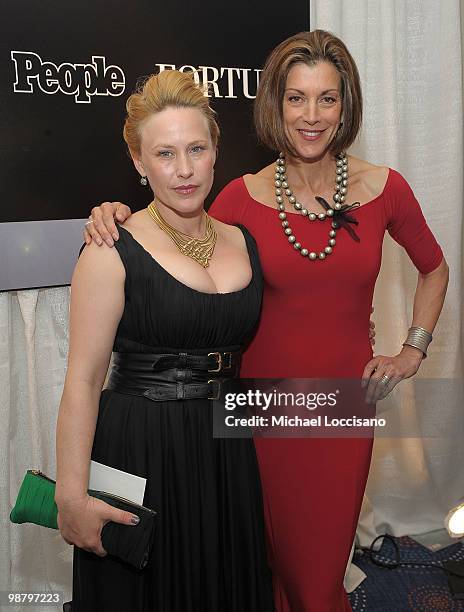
(282, 187)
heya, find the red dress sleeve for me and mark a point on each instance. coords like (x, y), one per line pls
(230, 203)
(408, 227)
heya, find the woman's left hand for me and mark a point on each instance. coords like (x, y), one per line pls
(383, 373)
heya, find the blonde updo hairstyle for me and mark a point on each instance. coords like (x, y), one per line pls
(170, 88)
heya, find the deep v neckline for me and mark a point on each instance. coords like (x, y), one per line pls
(188, 287)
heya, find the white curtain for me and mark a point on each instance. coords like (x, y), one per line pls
(409, 58)
(33, 355)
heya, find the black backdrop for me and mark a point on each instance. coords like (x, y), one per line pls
(59, 157)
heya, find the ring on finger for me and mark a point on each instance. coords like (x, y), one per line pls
(385, 379)
(88, 222)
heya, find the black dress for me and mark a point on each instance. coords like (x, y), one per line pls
(209, 550)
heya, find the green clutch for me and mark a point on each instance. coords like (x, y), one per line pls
(36, 501)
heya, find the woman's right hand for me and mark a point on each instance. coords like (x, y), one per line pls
(101, 225)
(81, 520)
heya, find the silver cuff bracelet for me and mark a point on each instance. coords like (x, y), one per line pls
(419, 338)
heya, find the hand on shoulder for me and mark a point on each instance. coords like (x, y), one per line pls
(101, 225)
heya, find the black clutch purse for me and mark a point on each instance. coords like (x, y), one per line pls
(130, 543)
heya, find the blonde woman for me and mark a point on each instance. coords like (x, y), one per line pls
(176, 319)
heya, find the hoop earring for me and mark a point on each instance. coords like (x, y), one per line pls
(143, 181)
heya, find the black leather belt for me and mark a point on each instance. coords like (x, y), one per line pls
(173, 376)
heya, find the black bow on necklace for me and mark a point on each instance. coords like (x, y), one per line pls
(341, 217)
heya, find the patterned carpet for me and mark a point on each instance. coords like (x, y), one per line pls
(418, 586)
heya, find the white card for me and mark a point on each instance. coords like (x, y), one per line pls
(105, 478)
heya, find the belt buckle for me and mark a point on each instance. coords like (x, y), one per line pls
(218, 357)
(229, 365)
(218, 393)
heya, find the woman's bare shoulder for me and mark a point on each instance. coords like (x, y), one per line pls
(262, 175)
(142, 228)
(100, 263)
(258, 185)
(227, 231)
(138, 220)
(371, 176)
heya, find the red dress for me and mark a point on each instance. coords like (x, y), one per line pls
(315, 323)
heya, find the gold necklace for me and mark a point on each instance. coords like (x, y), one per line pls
(199, 249)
